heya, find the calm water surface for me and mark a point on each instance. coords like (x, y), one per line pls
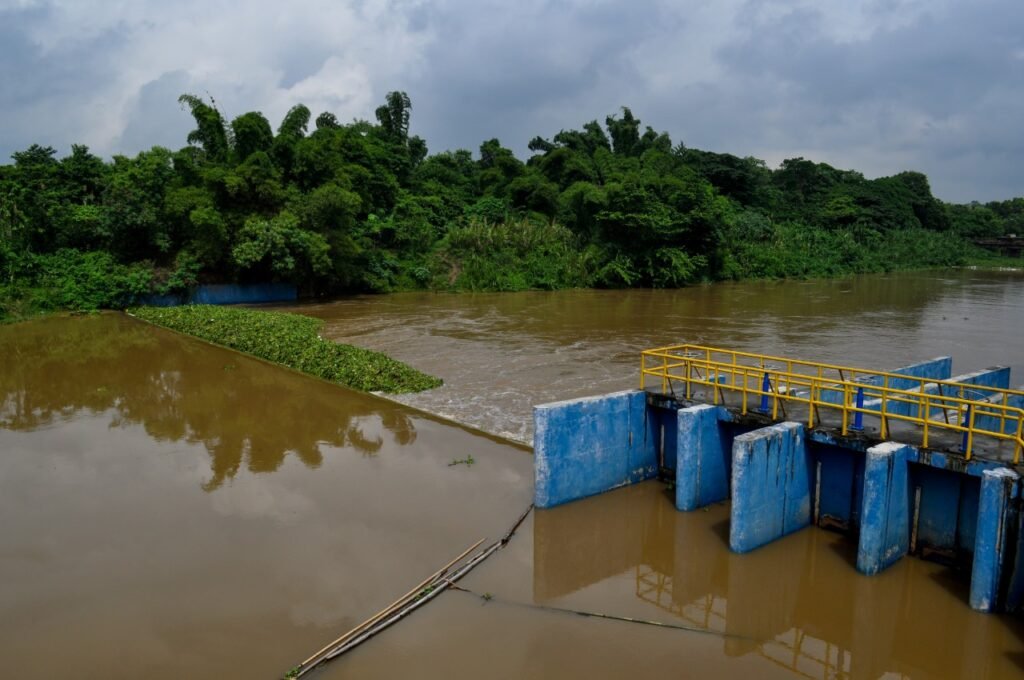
(172, 510)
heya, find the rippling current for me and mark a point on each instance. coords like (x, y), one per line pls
(501, 354)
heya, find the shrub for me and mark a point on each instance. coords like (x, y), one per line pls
(291, 340)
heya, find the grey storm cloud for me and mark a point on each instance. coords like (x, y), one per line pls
(879, 86)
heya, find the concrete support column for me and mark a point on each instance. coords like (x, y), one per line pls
(998, 488)
(885, 511)
(702, 458)
(587, 446)
(771, 486)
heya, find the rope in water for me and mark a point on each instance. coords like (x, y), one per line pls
(610, 617)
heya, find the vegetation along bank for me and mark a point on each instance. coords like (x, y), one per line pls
(346, 207)
(290, 340)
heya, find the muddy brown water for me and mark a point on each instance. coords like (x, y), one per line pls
(502, 353)
(174, 510)
(170, 509)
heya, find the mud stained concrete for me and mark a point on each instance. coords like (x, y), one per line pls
(170, 509)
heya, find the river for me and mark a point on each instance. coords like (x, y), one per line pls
(172, 509)
(502, 353)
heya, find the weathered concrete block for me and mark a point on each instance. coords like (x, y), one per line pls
(586, 446)
(703, 457)
(771, 485)
(998, 488)
(885, 514)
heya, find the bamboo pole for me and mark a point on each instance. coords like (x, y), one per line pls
(304, 666)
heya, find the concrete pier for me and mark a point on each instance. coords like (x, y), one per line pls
(703, 456)
(771, 486)
(885, 515)
(587, 446)
(998, 488)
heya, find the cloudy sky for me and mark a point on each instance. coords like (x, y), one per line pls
(875, 85)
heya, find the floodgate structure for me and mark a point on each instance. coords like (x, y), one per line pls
(906, 461)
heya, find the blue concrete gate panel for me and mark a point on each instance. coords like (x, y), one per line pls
(587, 446)
(771, 485)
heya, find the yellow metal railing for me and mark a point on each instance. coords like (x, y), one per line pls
(848, 392)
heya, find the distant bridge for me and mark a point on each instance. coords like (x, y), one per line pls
(1011, 246)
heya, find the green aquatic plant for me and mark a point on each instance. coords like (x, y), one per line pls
(291, 340)
(468, 461)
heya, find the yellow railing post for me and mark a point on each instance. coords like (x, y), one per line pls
(970, 433)
(685, 362)
(846, 406)
(664, 373)
(884, 429)
(810, 407)
(928, 410)
(775, 397)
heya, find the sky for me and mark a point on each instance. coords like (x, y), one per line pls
(879, 86)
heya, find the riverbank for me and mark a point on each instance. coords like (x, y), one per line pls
(293, 341)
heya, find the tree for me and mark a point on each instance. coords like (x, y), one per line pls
(252, 133)
(394, 115)
(210, 133)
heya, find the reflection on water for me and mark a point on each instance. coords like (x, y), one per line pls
(797, 603)
(500, 354)
(56, 370)
(116, 562)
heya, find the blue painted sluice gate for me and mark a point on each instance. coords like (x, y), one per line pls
(781, 475)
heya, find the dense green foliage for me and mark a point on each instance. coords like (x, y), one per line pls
(291, 340)
(69, 280)
(362, 207)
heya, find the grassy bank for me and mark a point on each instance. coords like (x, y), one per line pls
(986, 260)
(290, 340)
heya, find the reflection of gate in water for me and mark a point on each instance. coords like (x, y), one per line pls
(795, 650)
(808, 656)
(707, 612)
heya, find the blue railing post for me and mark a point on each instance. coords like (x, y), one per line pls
(858, 416)
(766, 387)
(966, 423)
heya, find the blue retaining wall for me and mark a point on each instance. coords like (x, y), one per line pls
(839, 489)
(997, 376)
(227, 294)
(939, 368)
(1015, 564)
(771, 485)
(992, 423)
(586, 446)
